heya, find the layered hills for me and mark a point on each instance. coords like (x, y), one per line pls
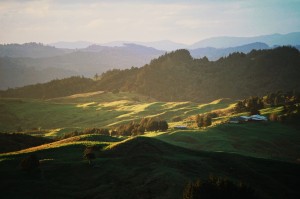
(26, 64)
(177, 76)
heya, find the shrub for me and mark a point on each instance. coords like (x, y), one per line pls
(30, 163)
(89, 154)
(273, 117)
(203, 120)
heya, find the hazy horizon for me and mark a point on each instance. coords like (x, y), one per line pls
(179, 21)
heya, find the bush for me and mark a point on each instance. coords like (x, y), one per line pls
(30, 163)
(218, 188)
(203, 120)
(89, 154)
(273, 117)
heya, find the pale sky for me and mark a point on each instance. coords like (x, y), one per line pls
(101, 21)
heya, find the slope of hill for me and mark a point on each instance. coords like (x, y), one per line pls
(17, 141)
(271, 40)
(139, 168)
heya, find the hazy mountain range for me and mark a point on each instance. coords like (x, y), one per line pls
(20, 71)
(215, 42)
(37, 63)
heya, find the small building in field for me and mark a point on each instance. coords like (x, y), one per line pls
(238, 120)
(258, 118)
(244, 119)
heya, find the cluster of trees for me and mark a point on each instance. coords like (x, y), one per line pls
(205, 120)
(289, 100)
(237, 76)
(99, 131)
(139, 128)
(289, 115)
(282, 98)
(218, 188)
(130, 129)
(251, 105)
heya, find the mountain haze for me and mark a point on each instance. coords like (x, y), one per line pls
(33, 50)
(88, 61)
(216, 53)
(271, 40)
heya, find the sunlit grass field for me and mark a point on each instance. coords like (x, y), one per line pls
(62, 115)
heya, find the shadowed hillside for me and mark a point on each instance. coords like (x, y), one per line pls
(16, 142)
(139, 168)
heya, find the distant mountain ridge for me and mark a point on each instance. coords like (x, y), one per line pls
(21, 71)
(271, 40)
(33, 50)
(216, 53)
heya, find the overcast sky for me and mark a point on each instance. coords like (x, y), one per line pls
(181, 21)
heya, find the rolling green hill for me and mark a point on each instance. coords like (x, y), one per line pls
(138, 168)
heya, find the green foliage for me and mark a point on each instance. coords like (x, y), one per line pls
(138, 128)
(252, 105)
(218, 188)
(204, 120)
(99, 131)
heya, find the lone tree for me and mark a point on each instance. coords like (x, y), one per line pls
(30, 163)
(89, 154)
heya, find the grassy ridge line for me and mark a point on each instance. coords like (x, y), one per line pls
(86, 140)
(263, 140)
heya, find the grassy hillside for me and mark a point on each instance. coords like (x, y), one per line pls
(263, 140)
(157, 165)
(137, 168)
(99, 109)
